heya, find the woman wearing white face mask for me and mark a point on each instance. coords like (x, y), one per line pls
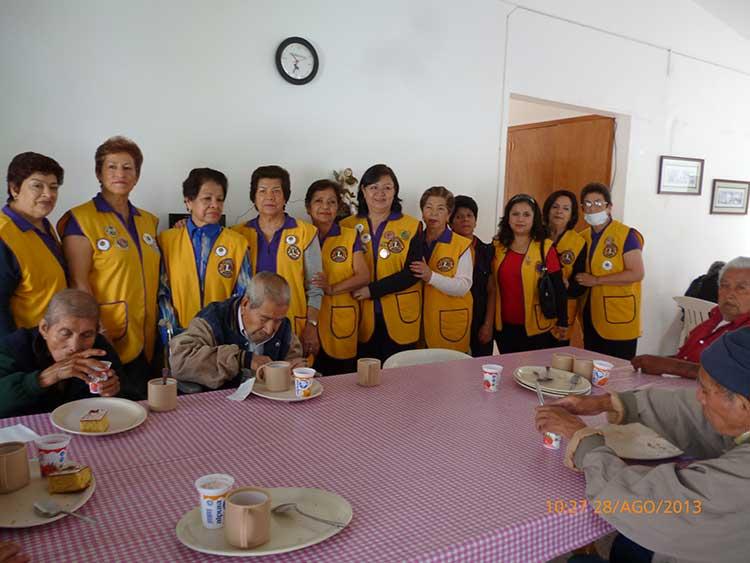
(614, 270)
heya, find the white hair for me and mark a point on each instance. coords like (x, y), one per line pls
(739, 263)
(71, 303)
(267, 285)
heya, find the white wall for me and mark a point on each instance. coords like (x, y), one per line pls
(416, 84)
(523, 111)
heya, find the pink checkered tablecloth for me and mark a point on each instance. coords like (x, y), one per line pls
(435, 468)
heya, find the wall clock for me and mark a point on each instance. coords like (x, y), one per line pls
(297, 60)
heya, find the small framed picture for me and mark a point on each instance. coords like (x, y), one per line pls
(729, 197)
(678, 175)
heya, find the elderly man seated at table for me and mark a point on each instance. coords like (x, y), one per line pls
(42, 368)
(239, 333)
(732, 312)
(698, 511)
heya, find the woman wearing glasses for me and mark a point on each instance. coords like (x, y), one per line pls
(520, 250)
(560, 214)
(392, 302)
(614, 270)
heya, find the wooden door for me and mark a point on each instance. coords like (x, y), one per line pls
(562, 154)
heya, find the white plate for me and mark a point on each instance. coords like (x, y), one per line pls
(636, 441)
(123, 415)
(560, 383)
(289, 532)
(288, 395)
(17, 508)
(548, 393)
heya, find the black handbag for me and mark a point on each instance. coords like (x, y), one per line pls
(547, 299)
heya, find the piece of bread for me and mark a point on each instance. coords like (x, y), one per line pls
(69, 479)
(95, 421)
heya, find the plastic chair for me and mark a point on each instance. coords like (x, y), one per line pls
(696, 311)
(427, 356)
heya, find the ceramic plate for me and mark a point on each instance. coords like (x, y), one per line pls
(123, 415)
(636, 441)
(288, 395)
(18, 506)
(289, 532)
(559, 385)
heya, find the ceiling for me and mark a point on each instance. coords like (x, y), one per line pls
(734, 13)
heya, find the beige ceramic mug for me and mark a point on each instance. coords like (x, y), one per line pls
(14, 467)
(563, 361)
(276, 376)
(247, 520)
(368, 372)
(583, 367)
(162, 397)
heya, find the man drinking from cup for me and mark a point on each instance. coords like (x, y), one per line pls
(239, 333)
(42, 368)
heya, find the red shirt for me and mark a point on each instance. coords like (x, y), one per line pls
(512, 307)
(706, 333)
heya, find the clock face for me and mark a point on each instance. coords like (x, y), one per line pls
(297, 60)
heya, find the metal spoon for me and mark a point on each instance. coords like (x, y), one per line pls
(540, 377)
(292, 506)
(574, 381)
(50, 509)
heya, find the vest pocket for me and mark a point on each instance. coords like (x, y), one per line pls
(542, 322)
(619, 310)
(409, 306)
(114, 319)
(453, 324)
(343, 321)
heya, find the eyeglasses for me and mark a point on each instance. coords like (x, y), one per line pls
(598, 204)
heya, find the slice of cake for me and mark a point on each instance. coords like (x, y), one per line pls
(69, 479)
(95, 421)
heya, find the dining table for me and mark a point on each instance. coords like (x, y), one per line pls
(435, 468)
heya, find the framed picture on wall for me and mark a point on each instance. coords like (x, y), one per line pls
(729, 197)
(678, 175)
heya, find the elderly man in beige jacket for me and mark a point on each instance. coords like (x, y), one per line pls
(711, 425)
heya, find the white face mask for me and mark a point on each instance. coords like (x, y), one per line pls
(596, 219)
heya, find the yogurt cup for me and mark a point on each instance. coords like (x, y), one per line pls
(53, 452)
(213, 491)
(551, 441)
(600, 372)
(491, 377)
(94, 382)
(303, 380)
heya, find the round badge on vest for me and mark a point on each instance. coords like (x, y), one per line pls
(360, 227)
(221, 251)
(388, 235)
(405, 235)
(148, 239)
(291, 239)
(339, 254)
(445, 264)
(366, 238)
(567, 257)
(293, 252)
(226, 268)
(122, 243)
(384, 253)
(110, 230)
(103, 244)
(395, 245)
(607, 265)
(610, 251)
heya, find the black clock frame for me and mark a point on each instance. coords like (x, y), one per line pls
(296, 81)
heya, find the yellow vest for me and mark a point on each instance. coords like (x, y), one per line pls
(402, 311)
(339, 314)
(446, 319)
(615, 309)
(41, 274)
(122, 281)
(569, 247)
(222, 270)
(535, 321)
(290, 264)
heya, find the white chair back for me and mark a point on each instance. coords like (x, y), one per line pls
(696, 311)
(427, 356)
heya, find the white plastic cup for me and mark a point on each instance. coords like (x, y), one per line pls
(94, 387)
(491, 377)
(303, 380)
(213, 491)
(53, 452)
(600, 372)
(551, 441)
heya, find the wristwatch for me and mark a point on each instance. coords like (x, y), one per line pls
(312, 322)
